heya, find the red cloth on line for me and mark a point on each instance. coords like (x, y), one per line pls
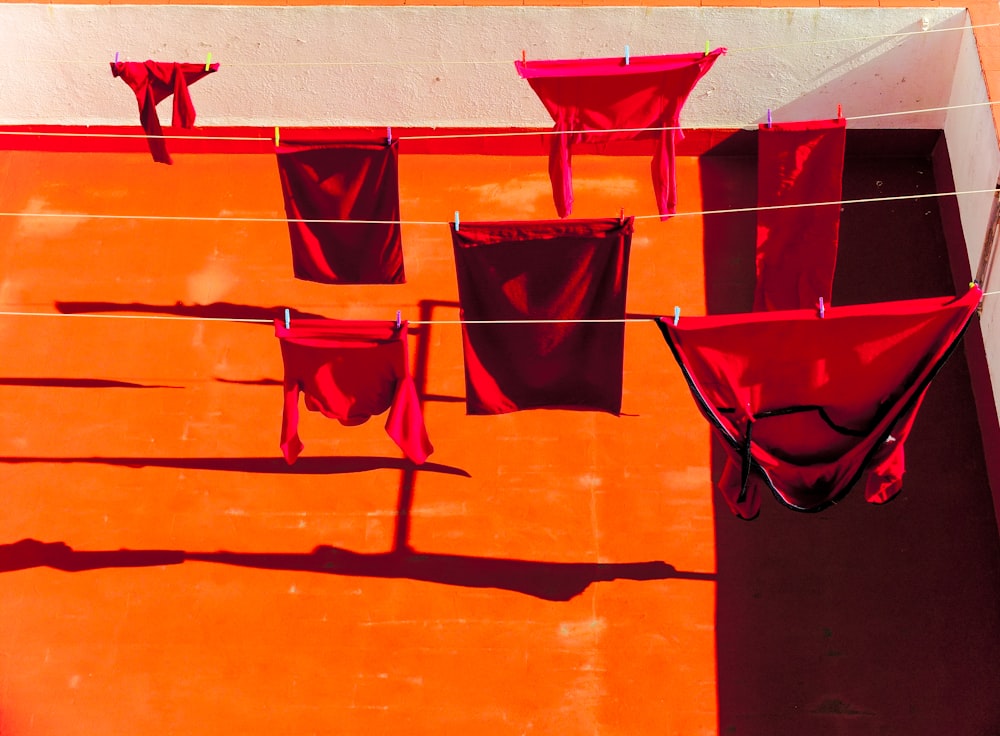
(343, 181)
(797, 248)
(154, 81)
(350, 371)
(602, 94)
(546, 270)
(805, 405)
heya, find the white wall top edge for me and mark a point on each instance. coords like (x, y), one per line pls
(405, 64)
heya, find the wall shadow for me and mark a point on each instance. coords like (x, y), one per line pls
(861, 619)
(551, 581)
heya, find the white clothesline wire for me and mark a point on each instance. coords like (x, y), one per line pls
(486, 62)
(180, 318)
(283, 220)
(502, 134)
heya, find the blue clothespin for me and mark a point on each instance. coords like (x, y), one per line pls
(768, 117)
(628, 55)
(399, 319)
(677, 315)
(456, 221)
(388, 135)
(288, 320)
(822, 308)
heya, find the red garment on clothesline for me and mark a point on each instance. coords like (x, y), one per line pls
(343, 181)
(154, 81)
(350, 371)
(546, 270)
(603, 94)
(805, 405)
(798, 163)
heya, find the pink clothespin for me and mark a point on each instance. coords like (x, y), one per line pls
(822, 309)
(399, 319)
(388, 135)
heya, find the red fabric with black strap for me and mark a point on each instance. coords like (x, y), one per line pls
(350, 371)
(546, 270)
(805, 405)
(605, 94)
(324, 180)
(153, 82)
(798, 163)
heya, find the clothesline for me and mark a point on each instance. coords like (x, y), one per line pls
(285, 220)
(486, 62)
(181, 318)
(503, 134)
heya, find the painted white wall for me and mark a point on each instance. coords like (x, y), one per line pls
(975, 164)
(409, 65)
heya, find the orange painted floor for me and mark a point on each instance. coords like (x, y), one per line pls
(546, 572)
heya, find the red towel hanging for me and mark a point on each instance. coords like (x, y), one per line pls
(154, 81)
(798, 163)
(350, 371)
(602, 94)
(343, 181)
(805, 405)
(550, 270)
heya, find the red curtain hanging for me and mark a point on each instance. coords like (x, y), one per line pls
(805, 405)
(350, 371)
(798, 163)
(343, 181)
(154, 81)
(602, 94)
(546, 270)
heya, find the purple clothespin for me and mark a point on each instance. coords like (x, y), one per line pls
(116, 57)
(768, 117)
(822, 308)
(388, 135)
(399, 319)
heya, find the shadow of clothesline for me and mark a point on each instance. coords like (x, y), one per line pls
(551, 581)
(52, 382)
(215, 310)
(303, 466)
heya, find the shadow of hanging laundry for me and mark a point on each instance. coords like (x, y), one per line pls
(215, 310)
(303, 466)
(551, 581)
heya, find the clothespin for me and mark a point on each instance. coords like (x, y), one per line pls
(457, 221)
(288, 320)
(208, 62)
(116, 57)
(628, 55)
(277, 136)
(840, 111)
(768, 117)
(677, 315)
(822, 308)
(399, 319)
(524, 57)
(707, 49)
(621, 216)
(388, 135)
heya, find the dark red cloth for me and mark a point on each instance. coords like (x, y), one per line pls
(602, 94)
(805, 405)
(154, 81)
(343, 181)
(350, 371)
(797, 248)
(546, 270)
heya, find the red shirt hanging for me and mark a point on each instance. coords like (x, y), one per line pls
(154, 81)
(805, 405)
(350, 371)
(547, 270)
(798, 163)
(343, 181)
(603, 94)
